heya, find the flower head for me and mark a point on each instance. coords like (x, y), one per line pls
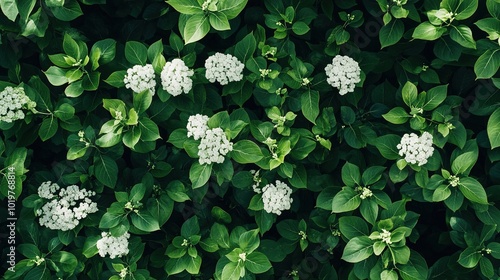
(113, 246)
(140, 78)
(343, 73)
(176, 77)
(197, 126)
(276, 198)
(12, 101)
(214, 146)
(416, 149)
(223, 68)
(66, 208)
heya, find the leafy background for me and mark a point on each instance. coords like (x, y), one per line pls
(426, 66)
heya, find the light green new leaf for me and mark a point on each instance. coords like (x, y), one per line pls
(493, 129)
(219, 21)
(197, 26)
(231, 7)
(9, 9)
(357, 249)
(427, 31)
(56, 76)
(68, 12)
(187, 7)
(232, 271)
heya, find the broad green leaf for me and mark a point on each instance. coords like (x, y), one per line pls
(427, 31)
(76, 151)
(473, 190)
(345, 200)
(441, 193)
(353, 226)
(90, 246)
(300, 28)
(197, 26)
(142, 101)
(116, 79)
(463, 35)
(357, 249)
(187, 7)
(249, 240)
(257, 263)
(487, 64)
(144, 221)
(9, 9)
(391, 33)
(70, 11)
(309, 101)
(199, 174)
(56, 76)
(219, 21)
(90, 81)
(351, 176)
(493, 129)
(106, 170)
(397, 115)
(149, 129)
(232, 271)
(231, 8)
(65, 261)
(386, 145)
(48, 128)
(246, 151)
(30, 251)
(136, 53)
(462, 9)
(434, 97)
(469, 257)
(245, 48)
(463, 162)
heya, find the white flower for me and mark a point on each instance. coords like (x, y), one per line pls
(223, 68)
(214, 146)
(343, 73)
(197, 126)
(386, 236)
(276, 198)
(416, 149)
(66, 208)
(140, 78)
(176, 77)
(12, 101)
(113, 246)
(365, 193)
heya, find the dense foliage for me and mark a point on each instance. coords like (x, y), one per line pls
(235, 139)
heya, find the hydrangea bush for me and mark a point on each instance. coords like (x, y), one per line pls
(235, 139)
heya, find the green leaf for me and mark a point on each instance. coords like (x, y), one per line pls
(427, 31)
(463, 35)
(90, 246)
(245, 48)
(246, 151)
(106, 170)
(232, 271)
(351, 175)
(493, 129)
(473, 190)
(386, 145)
(9, 9)
(257, 263)
(434, 97)
(487, 64)
(409, 93)
(197, 26)
(415, 269)
(441, 193)
(106, 49)
(116, 79)
(175, 42)
(462, 8)
(90, 81)
(219, 21)
(231, 8)
(149, 129)
(300, 28)
(56, 76)
(190, 227)
(469, 257)
(48, 128)
(249, 240)
(194, 264)
(65, 261)
(199, 174)
(397, 115)
(372, 174)
(486, 267)
(357, 249)
(64, 112)
(345, 200)
(391, 33)
(187, 7)
(30, 251)
(110, 220)
(132, 137)
(463, 162)
(142, 101)
(353, 226)
(309, 101)
(68, 12)
(144, 221)
(136, 53)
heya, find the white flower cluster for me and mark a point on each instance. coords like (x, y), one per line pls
(197, 126)
(223, 68)
(113, 246)
(214, 146)
(276, 198)
(365, 193)
(176, 77)
(12, 100)
(66, 208)
(416, 149)
(140, 78)
(343, 73)
(386, 236)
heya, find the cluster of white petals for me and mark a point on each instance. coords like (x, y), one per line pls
(176, 77)
(343, 73)
(214, 146)
(197, 126)
(416, 150)
(113, 246)
(66, 208)
(276, 198)
(12, 101)
(140, 78)
(223, 68)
